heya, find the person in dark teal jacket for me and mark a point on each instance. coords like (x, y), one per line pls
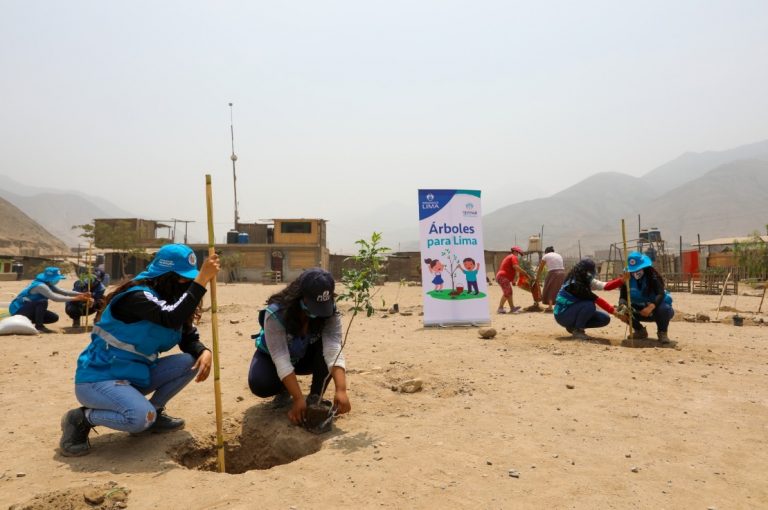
(142, 318)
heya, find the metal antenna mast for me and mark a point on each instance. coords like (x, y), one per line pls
(233, 157)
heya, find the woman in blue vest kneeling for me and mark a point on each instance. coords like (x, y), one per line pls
(142, 318)
(301, 334)
(650, 301)
(32, 302)
(575, 308)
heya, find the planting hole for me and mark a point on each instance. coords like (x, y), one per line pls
(264, 441)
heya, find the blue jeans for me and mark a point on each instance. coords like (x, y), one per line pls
(582, 315)
(119, 405)
(661, 315)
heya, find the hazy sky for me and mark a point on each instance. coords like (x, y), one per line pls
(345, 106)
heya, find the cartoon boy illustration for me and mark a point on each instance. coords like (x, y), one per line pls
(470, 270)
(436, 267)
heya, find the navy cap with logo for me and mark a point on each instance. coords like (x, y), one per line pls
(317, 292)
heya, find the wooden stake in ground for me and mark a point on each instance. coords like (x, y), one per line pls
(629, 297)
(765, 287)
(215, 331)
(722, 293)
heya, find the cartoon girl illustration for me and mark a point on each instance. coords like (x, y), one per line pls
(436, 267)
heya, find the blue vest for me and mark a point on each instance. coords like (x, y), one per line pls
(122, 351)
(563, 300)
(25, 297)
(638, 291)
(297, 345)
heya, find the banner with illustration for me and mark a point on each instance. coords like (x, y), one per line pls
(452, 262)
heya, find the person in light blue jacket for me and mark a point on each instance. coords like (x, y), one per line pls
(650, 300)
(142, 318)
(32, 302)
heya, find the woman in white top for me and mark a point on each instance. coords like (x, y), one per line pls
(555, 276)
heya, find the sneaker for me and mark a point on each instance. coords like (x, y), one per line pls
(663, 337)
(515, 309)
(74, 433)
(639, 334)
(165, 423)
(501, 311)
(44, 330)
(580, 334)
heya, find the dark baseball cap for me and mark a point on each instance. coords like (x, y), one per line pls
(317, 291)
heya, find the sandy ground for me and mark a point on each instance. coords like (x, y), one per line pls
(584, 424)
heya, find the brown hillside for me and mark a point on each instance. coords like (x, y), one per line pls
(19, 232)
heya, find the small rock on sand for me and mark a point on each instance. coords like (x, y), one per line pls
(93, 497)
(514, 473)
(486, 333)
(411, 386)
(570, 386)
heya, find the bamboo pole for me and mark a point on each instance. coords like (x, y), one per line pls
(215, 331)
(722, 293)
(626, 264)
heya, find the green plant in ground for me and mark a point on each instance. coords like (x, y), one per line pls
(400, 286)
(360, 283)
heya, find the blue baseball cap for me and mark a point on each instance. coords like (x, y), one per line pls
(637, 261)
(50, 275)
(317, 291)
(176, 258)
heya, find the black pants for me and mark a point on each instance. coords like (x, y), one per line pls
(37, 312)
(263, 379)
(76, 309)
(660, 315)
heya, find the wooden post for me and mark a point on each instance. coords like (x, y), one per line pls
(765, 287)
(725, 286)
(215, 331)
(626, 264)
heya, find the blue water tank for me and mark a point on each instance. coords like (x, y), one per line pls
(242, 238)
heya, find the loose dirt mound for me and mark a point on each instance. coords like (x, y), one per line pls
(109, 496)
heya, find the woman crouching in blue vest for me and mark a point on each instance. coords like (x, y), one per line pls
(575, 308)
(32, 302)
(142, 318)
(301, 334)
(650, 301)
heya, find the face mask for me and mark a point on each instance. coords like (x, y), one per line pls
(638, 274)
(306, 310)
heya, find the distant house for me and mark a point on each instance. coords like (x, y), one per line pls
(720, 251)
(274, 251)
(119, 233)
